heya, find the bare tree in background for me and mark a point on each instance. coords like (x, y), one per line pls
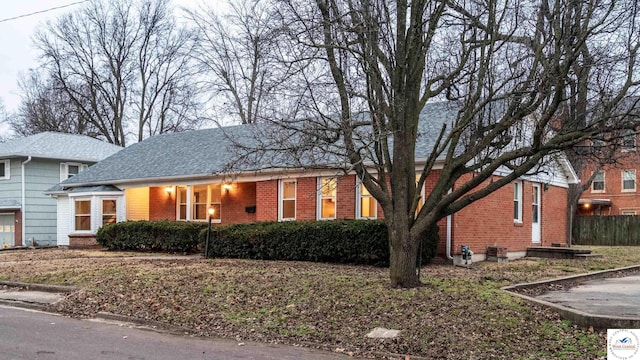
(121, 62)
(237, 60)
(369, 67)
(45, 106)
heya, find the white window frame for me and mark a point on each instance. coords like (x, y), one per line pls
(75, 214)
(191, 205)
(64, 169)
(320, 197)
(101, 208)
(629, 136)
(627, 212)
(282, 199)
(517, 201)
(7, 169)
(218, 214)
(604, 183)
(622, 173)
(359, 197)
(187, 203)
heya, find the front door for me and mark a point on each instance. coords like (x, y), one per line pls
(7, 230)
(535, 214)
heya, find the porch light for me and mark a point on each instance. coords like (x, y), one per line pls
(169, 189)
(226, 188)
(211, 212)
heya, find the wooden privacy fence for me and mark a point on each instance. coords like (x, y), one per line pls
(606, 230)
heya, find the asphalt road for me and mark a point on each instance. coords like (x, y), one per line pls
(31, 335)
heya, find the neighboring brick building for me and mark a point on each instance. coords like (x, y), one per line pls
(180, 176)
(614, 190)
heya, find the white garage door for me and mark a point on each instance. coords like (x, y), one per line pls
(7, 230)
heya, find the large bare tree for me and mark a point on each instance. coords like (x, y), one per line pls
(238, 60)
(124, 66)
(368, 68)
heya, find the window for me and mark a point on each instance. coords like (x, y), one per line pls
(421, 200)
(629, 140)
(628, 212)
(202, 197)
(366, 206)
(287, 210)
(5, 167)
(628, 180)
(597, 185)
(200, 202)
(83, 215)
(215, 201)
(327, 198)
(109, 212)
(517, 201)
(67, 170)
(182, 202)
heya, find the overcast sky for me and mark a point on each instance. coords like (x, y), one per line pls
(16, 51)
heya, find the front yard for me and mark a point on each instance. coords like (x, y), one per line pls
(459, 313)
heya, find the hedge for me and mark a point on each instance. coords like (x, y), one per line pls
(338, 241)
(163, 236)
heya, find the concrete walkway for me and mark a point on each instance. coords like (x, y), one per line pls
(604, 299)
(609, 297)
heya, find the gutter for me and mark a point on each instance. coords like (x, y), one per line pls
(24, 197)
(449, 232)
(449, 223)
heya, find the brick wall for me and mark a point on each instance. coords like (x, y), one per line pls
(554, 215)
(489, 221)
(620, 200)
(346, 197)
(235, 202)
(306, 198)
(83, 241)
(162, 205)
(267, 200)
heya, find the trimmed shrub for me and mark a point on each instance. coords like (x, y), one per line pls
(162, 236)
(337, 241)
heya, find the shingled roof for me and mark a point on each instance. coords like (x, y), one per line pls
(54, 145)
(208, 152)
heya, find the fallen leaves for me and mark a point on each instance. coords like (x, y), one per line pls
(459, 314)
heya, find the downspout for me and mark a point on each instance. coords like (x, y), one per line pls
(24, 197)
(449, 237)
(449, 223)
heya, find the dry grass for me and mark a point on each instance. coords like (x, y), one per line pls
(458, 314)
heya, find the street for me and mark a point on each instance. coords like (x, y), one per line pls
(31, 335)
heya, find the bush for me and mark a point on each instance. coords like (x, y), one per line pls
(338, 241)
(163, 236)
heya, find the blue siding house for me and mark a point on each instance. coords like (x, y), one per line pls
(28, 167)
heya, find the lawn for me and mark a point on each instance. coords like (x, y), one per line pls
(459, 314)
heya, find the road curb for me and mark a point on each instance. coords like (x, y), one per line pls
(147, 324)
(41, 287)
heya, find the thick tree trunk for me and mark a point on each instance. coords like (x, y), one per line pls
(403, 255)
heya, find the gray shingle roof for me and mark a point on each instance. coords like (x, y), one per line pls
(9, 204)
(53, 145)
(209, 151)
